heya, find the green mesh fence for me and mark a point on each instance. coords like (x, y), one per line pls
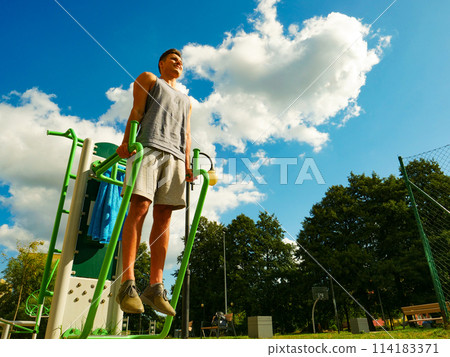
(428, 181)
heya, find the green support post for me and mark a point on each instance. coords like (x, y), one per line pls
(426, 246)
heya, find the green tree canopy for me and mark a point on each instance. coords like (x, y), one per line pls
(22, 275)
(258, 266)
(365, 236)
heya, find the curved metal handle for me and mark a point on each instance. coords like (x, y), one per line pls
(99, 168)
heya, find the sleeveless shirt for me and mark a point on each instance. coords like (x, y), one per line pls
(164, 121)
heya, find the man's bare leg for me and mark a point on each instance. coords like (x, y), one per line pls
(159, 241)
(131, 235)
(127, 296)
(155, 295)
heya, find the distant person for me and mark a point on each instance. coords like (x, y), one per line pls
(164, 116)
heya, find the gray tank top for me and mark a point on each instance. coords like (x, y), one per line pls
(164, 121)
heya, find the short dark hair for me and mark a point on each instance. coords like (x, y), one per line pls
(165, 54)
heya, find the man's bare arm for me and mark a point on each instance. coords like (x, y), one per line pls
(141, 86)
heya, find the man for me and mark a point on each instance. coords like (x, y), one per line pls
(164, 117)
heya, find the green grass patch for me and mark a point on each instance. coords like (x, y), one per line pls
(407, 333)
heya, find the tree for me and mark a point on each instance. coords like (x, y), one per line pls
(365, 236)
(260, 268)
(259, 264)
(429, 177)
(206, 272)
(244, 264)
(276, 269)
(328, 236)
(23, 275)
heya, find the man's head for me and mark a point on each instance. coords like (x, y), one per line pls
(172, 53)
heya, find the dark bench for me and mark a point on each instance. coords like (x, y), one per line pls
(421, 313)
(218, 327)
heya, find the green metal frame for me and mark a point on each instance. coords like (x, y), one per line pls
(25, 329)
(48, 272)
(426, 245)
(113, 241)
(28, 307)
(99, 168)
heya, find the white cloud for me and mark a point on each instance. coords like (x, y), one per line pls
(10, 235)
(223, 198)
(33, 166)
(119, 111)
(263, 160)
(257, 75)
(291, 242)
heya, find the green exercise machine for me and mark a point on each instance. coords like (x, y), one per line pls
(103, 288)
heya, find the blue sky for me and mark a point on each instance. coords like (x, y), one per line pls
(377, 91)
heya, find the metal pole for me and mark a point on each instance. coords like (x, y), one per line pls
(54, 327)
(314, 306)
(187, 277)
(382, 310)
(5, 332)
(225, 272)
(334, 304)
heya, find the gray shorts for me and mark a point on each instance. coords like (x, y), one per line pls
(161, 178)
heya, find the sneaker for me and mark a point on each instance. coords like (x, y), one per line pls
(128, 298)
(156, 298)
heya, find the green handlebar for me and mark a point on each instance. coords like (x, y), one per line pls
(70, 134)
(133, 133)
(99, 168)
(195, 163)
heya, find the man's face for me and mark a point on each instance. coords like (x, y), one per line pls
(172, 64)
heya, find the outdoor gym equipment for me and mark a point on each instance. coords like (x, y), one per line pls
(38, 307)
(97, 171)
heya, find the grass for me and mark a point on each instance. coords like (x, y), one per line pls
(407, 333)
(400, 333)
